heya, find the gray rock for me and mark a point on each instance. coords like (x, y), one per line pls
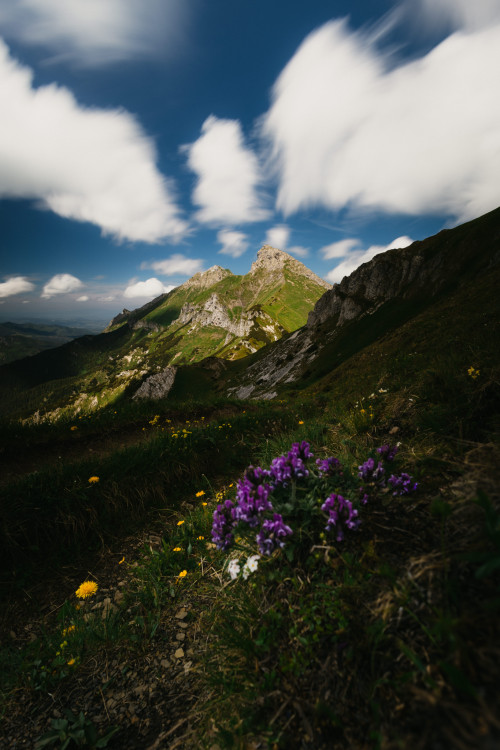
(158, 385)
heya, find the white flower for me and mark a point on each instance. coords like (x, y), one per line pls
(233, 569)
(382, 390)
(251, 565)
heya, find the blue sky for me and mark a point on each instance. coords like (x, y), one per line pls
(142, 141)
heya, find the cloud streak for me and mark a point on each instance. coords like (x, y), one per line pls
(176, 265)
(348, 127)
(228, 175)
(92, 33)
(149, 289)
(233, 243)
(89, 165)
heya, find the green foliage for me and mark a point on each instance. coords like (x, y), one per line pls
(74, 731)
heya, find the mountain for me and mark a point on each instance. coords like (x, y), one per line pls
(18, 340)
(437, 288)
(214, 314)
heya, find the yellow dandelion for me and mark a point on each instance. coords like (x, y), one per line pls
(93, 480)
(71, 662)
(182, 574)
(87, 588)
(301, 421)
(179, 523)
(200, 493)
(177, 549)
(362, 411)
(204, 503)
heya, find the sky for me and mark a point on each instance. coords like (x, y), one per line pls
(142, 141)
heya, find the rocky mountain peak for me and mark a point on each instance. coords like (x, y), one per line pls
(204, 279)
(272, 260)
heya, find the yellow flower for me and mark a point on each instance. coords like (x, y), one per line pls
(362, 411)
(87, 588)
(301, 421)
(71, 662)
(200, 493)
(200, 537)
(204, 503)
(122, 560)
(177, 549)
(179, 523)
(182, 574)
(93, 480)
(69, 629)
(74, 427)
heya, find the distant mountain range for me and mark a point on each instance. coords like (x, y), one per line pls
(214, 314)
(18, 340)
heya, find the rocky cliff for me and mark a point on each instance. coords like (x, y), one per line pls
(416, 275)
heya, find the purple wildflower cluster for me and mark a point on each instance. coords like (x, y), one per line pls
(291, 467)
(252, 495)
(223, 525)
(375, 476)
(328, 467)
(273, 534)
(402, 484)
(341, 515)
(387, 452)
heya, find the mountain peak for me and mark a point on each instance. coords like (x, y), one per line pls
(271, 259)
(207, 278)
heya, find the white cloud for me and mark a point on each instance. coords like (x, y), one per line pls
(85, 164)
(83, 298)
(233, 243)
(298, 250)
(348, 127)
(355, 258)
(228, 175)
(95, 32)
(150, 288)
(15, 285)
(339, 249)
(455, 14)
(61, 283)
(176, 265)
(278, 236)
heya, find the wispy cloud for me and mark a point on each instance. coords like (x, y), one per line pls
(278, 236)
(15, 285)
(298, 250)
(339, 249)
(90, 165)
(350, 127)
(353, 258)
(233, 243)
(176, 265)
(228, 175)
(96, 32)
(149, 289)
(61, 283)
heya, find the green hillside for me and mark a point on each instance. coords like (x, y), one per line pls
(214, 314)
(373, 627)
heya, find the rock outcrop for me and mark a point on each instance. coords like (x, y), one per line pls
(272, 260)
(214, 313)
(158, 385)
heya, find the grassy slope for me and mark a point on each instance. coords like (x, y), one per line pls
(387, 640)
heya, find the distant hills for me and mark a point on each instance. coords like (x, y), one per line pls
(215, 314)
(18, 340)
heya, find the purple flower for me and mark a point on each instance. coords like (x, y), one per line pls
(273, 534)
(301, 450)
(341, 515)
(329, 466)
(402, 484)
(223, 525)
(368, 472)
(252, 500)
(285, 469)
(387, 452)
